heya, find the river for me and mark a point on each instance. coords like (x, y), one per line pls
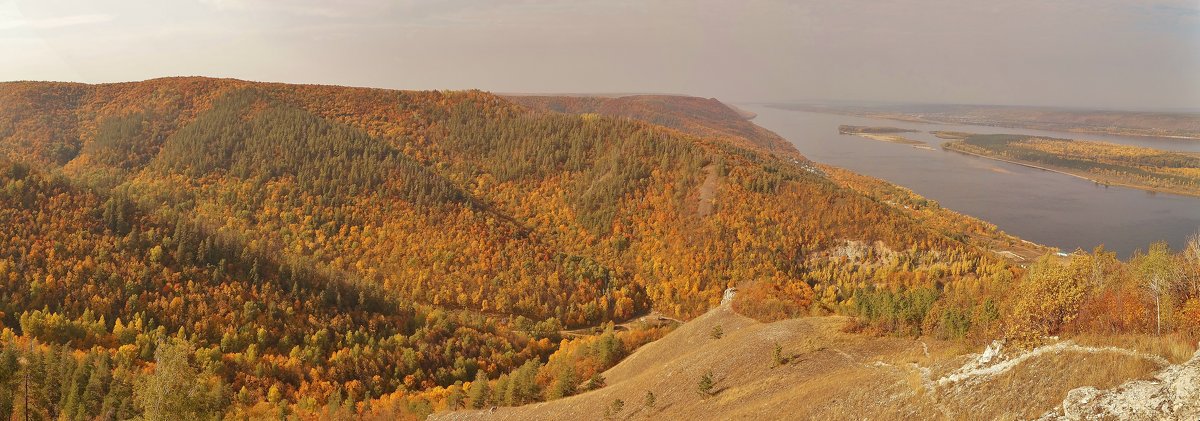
(1041, 206)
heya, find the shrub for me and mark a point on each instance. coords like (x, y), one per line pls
(773, 301)
(1116, 309)
(706, 384)
(1046, 299)
(1189, 317)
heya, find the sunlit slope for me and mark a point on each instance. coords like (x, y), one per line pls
(822, 373)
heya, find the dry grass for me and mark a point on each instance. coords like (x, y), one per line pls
(830, 374)
(1174, 347)
(1040, 384)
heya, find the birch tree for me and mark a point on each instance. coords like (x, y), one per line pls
(1159, 276)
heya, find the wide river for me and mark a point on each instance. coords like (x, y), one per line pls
(1041, 206)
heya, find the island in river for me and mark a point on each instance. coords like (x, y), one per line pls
(1105, 163)
(883, 134)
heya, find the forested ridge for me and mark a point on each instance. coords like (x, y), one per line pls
(322, 252)
(698, 116)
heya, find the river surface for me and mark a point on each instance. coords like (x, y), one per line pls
(1041, 206)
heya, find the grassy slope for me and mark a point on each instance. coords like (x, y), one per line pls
(828, 375)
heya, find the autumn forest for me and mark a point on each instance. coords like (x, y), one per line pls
(195, 248)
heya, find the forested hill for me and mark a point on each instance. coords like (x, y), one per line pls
(697, 116)
(326, 251)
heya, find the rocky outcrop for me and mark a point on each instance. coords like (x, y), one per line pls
(1173, 394)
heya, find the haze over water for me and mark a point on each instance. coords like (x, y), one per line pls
(1041, 206)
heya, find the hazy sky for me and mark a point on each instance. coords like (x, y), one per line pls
(1100, 53)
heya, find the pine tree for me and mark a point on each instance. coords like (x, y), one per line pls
(564, 385)
(95, 389)
(454, 396)
(479, 392)
(706, 383)
(118, 404)
(716, 332)
(501, 394)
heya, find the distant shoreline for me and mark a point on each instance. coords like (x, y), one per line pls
(1078, 175)
(925, 120)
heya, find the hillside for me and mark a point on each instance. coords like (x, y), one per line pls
(697, 116)
(820, 372)
(334, 252)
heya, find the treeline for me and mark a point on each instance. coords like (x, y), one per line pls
(576, 367)
(1156, 292)
(705, 117)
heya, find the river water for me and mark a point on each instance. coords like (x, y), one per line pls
(1041, 206)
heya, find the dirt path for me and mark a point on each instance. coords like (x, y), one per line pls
(708, 191)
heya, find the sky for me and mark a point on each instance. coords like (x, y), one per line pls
(1115, 54)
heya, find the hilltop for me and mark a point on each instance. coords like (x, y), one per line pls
(697, 116)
